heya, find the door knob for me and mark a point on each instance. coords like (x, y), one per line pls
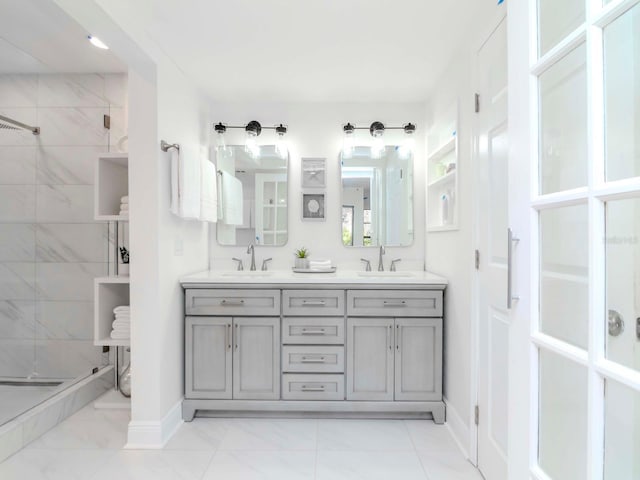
(615, 323)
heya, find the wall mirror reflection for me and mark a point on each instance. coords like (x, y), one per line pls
(252, 196)
(377, 197)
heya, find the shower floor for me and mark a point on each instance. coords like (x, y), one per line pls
(19, 397)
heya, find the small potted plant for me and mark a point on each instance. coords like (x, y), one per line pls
(302, 258)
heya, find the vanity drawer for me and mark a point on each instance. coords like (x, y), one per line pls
(394, 303)
(312, 387)
(313, 302)
(232, 302)
(313, 331)
(313, 359)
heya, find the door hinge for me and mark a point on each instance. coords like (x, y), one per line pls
(477, 414)
(477, 102)
(477, 259)
(106, 122)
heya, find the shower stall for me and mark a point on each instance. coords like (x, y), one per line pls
(52, 128)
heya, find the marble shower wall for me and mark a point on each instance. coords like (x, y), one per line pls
(50, 247)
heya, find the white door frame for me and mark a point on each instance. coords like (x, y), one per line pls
(475, 303)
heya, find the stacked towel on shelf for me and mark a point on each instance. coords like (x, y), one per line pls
(124, 206)
(320, 265)
(121, 326)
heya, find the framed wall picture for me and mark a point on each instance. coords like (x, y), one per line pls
(314, 172)
(313, 207)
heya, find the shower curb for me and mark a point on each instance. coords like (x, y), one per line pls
(24, 429)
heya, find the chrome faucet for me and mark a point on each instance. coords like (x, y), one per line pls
(380, 264)
(251, 250)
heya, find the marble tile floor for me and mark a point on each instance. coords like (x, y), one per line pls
(89, 446)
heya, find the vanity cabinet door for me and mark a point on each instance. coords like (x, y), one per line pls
(208, 357)
(256, 358)
(418, 362)
(370, 356)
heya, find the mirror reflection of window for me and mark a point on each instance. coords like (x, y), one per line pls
(380, 192)
(347, 225)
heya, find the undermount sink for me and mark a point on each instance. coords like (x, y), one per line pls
(385, 274)
(247, 274)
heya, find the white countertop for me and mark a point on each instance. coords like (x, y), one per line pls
(339, 277)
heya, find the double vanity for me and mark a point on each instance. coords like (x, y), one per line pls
(339, 344)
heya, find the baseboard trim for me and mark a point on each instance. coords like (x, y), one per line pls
(149, 435)
(460, 432)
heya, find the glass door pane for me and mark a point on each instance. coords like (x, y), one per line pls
(563, 124)
(622, 96)
(562, 452)
(622, 432)
(556, 20)
(622, 243)
(564, 274)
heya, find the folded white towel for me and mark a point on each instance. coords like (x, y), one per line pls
(122, 309)
(124, 206)
(318, 264)
(121, 321)
(123, 213)
(230, 200)
(124, 199)
(123, 315)
(125, 329)
(185, 182)
(208, 192)
(120, 335)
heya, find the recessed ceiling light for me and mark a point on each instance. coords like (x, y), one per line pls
(96, 42)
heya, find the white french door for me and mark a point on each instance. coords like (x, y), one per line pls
(580, 267)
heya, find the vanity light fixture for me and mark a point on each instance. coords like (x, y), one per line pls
(253, 130)
(220, 130)
(96, 42)
(377, 129)
(281, 144)
(409, 142)
(348, 143)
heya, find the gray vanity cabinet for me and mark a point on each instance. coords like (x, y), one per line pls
(418, 359)
(256, 358)
(370, 359)
(209, 365)
(232, 358)
(394, 359)
(344, 350)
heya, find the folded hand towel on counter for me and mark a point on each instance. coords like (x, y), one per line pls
(185, 182)
(208, 192)
(230, 200)
(122, 309)
(320, 265)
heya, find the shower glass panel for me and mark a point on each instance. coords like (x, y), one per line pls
(51, 249)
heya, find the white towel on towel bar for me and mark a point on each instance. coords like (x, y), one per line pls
(185, 182)
(208, 192)
(230, 203)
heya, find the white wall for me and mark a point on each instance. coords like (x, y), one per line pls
(315, 130)
(451, 253)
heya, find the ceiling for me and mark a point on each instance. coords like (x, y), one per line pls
(38, 37)
(257, 51)
(323, 50)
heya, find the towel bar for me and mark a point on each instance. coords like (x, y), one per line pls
(164, 146)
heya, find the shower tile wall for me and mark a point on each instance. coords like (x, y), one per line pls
(50, 247)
